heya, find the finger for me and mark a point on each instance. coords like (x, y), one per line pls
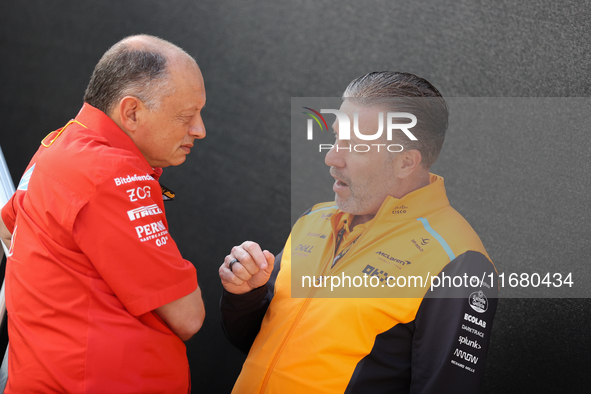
(270, 260)
(256, 253)
(228, 276)
(245, 264)
(229, 262)
(232, 270)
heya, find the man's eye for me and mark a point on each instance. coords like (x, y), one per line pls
(185, 118)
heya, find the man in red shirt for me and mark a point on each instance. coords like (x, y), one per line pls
(99, 297)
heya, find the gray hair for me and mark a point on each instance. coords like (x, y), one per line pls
(135, 66)
(404, 92)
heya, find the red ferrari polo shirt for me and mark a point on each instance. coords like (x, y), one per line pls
(91, 258)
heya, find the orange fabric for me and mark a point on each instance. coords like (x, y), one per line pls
(313, 336)
(91, 260)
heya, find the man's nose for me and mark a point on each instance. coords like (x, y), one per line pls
(335, 156)
(197, 129)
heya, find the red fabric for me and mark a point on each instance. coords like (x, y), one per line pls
(91, 259)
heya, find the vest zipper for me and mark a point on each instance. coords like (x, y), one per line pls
(275, 359)
(293, 326)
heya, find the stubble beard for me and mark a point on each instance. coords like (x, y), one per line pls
(363, 194)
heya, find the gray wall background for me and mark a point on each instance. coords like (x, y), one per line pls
(256, 55)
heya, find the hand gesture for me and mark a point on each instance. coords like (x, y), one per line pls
(246, 268)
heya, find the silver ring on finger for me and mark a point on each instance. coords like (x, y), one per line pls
(232, 262)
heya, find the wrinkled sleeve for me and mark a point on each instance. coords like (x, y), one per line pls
(242, 314)
(453, 328)
(9, 214)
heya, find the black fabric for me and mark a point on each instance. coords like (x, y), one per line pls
(387, 369)
(441, 322)
(444, 349)
(242, 314)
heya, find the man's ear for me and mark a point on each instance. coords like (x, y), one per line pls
(409, 161)
(128, 110)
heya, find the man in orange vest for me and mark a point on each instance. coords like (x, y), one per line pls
(386, 289)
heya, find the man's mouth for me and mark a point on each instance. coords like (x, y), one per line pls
(339, 184)
(186, 148)
(338, 177)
